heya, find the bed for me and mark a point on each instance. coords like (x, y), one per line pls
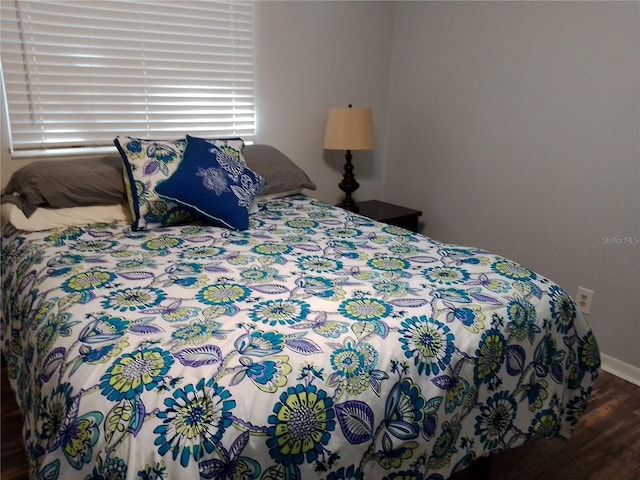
(314, 343)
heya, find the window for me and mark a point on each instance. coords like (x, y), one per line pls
(77, 74)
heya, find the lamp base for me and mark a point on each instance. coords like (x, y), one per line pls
(348, 185)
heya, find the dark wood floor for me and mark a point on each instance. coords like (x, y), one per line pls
(605, 446)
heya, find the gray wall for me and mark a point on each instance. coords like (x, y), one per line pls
(515, 126)
(315, 55)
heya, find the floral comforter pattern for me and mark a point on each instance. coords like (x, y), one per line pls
(316, 344)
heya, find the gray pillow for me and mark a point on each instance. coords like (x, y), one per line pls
(67, 183)
(281, 174)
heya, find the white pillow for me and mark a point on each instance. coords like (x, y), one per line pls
(47, 218)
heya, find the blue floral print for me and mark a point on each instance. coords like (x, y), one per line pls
(316, 344)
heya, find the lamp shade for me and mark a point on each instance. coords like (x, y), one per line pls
(349, 129)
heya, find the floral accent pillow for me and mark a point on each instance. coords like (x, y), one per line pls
(148, 162)
(212, 183)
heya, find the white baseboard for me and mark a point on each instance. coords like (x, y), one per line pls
(620, 369)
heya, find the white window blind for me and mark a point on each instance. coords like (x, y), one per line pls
(77, 74)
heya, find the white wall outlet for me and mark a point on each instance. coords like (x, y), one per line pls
(583, 299)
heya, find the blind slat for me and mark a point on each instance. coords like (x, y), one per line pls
(79, 75)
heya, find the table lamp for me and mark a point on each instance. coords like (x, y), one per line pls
(349, 129)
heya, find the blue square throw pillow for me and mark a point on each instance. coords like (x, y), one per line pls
(212, 183)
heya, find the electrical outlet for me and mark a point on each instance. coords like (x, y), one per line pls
(584, 298)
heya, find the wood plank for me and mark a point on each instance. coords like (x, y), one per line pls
(13, 461)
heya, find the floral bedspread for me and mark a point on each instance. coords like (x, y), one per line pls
(318, 344)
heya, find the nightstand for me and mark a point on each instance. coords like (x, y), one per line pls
(391, 214)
